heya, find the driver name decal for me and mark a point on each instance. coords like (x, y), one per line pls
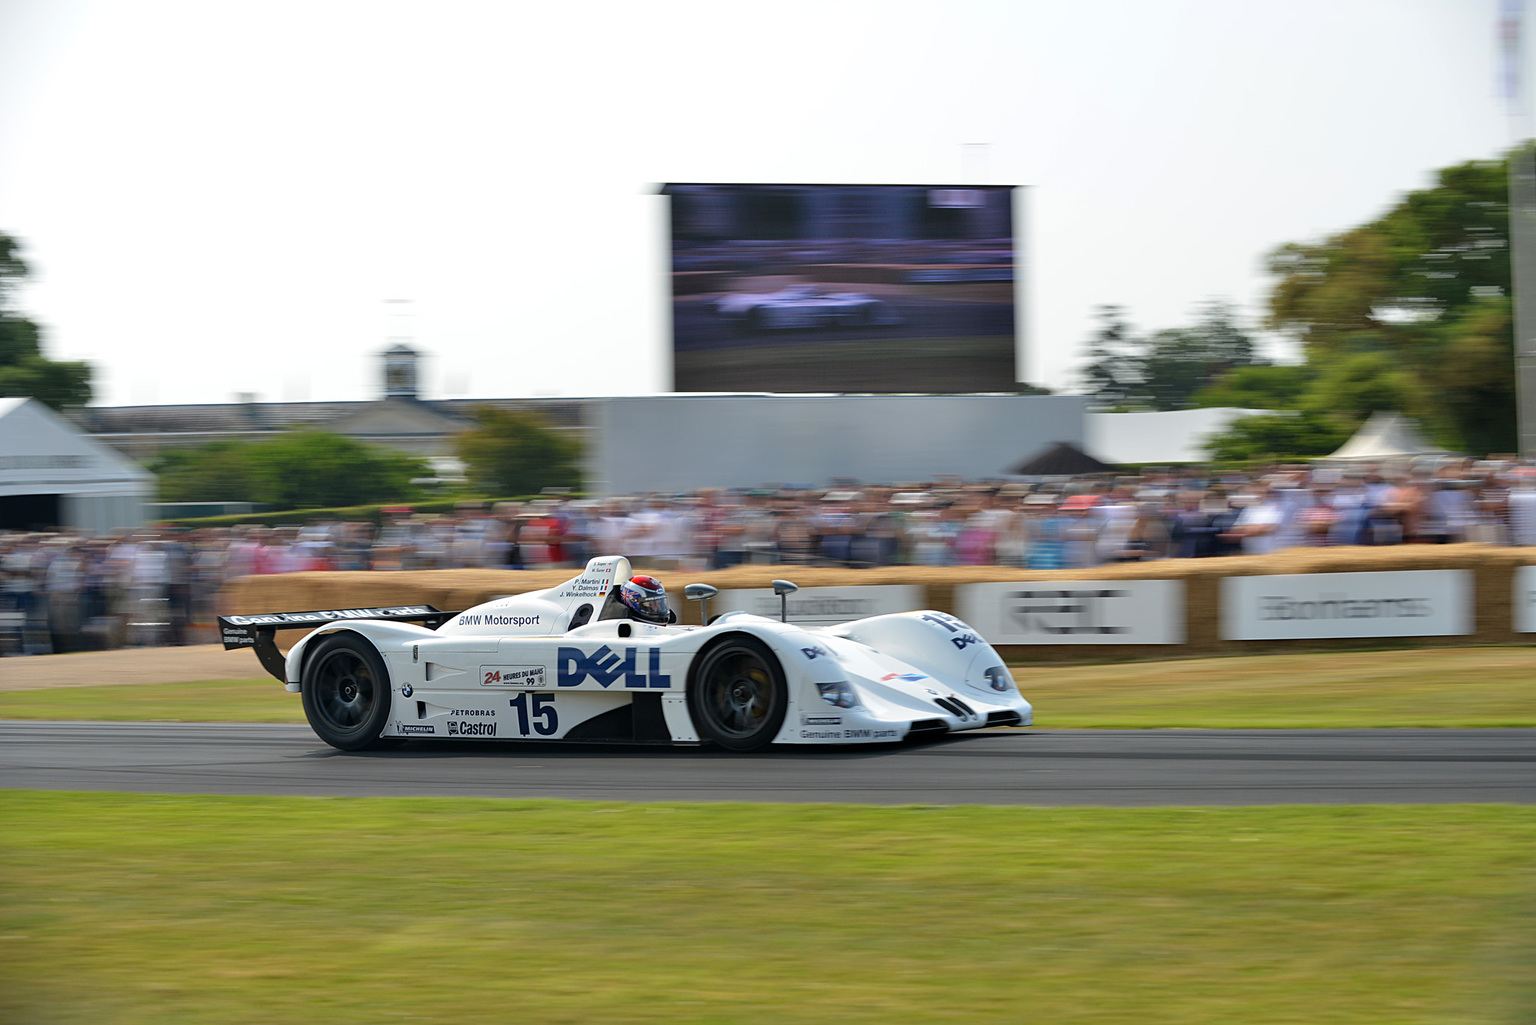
(607, 667)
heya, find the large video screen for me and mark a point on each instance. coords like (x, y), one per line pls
(842, 288)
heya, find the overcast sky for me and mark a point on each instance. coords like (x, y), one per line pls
(219, 197)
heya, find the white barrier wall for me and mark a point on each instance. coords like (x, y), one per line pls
(823, 606)
(1075, 611)
(1524, 603)
(681, 442)
(1409, 603)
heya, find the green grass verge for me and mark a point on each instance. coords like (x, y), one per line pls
(1466, 687)
(126, 908)
(262, 700)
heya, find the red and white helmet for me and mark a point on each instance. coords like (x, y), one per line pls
(645, 597)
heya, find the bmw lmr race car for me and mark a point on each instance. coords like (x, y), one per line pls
(805, 306)
(599, 658)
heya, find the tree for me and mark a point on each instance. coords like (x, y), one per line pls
(1169, 369)
(1299, 434)
(299, 470)
(513, 453)
(1353, 387)
(1273, 386)
(1113, 373)
(1414, 303)
(23, 368)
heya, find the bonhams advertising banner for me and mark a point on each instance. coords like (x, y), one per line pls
(1411, 603)
(1075, 611)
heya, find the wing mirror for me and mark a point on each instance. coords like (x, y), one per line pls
(783, 588)
(701, 593)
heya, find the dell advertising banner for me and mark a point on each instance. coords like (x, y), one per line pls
(1411, 603)
(824, 606)
(1075, 611)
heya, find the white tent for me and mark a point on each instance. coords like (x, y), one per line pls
(1387, 436)
(54, 475)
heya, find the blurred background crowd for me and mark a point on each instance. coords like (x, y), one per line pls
(67, 592)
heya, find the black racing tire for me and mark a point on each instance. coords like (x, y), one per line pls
(738, 698)
(346, 692)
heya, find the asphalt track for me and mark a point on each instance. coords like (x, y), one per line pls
(1065, 767)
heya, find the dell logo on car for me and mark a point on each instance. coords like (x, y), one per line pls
(606, 666)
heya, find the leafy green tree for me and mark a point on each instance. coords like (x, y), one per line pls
(23, 368)
(513, 453)
(298, 470)
(1413, 303)
(1355, 386)
(1300, 434)
(1273, 386)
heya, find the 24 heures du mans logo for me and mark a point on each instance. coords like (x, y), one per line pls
(607, 667)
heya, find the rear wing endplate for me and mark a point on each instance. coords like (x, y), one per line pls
(260, 631)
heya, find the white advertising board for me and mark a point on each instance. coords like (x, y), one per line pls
(1409, 603)
(1525, 600)
(1075, 611)
(823, 606)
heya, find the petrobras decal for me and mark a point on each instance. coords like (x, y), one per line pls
(471, 729)
(526, 677)
(1401, 603)
(304, 618)
(824, 606)
(607, 667)
(1075, 611)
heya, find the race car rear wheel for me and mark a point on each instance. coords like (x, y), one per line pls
(346, 692)
(739, 697)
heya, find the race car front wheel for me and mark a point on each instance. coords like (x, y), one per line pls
(739, 697)
(346, 692)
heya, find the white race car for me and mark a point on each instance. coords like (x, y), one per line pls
(804, 306)
(548, 665)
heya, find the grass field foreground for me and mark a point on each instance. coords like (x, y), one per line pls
(134, 909)
(1468, 687)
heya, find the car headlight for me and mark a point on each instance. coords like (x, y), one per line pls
(999, 679)
(839, 694)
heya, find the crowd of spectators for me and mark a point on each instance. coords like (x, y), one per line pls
(62, 592)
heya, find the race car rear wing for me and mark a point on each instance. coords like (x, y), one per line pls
(260, 631)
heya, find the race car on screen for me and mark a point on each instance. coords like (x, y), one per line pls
(599, 658)
(805, 306)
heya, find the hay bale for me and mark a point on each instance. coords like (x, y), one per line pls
(1492, 567)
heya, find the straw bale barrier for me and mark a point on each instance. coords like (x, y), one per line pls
(1492, 569)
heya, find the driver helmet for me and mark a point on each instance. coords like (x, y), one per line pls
(645, 598)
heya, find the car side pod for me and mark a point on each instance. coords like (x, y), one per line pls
(783, 588)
